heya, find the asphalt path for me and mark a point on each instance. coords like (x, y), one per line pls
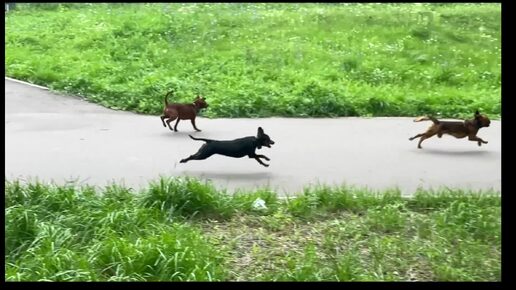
(53, 137)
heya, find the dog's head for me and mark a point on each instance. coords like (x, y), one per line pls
(263, 139)
(200, 102)
(482, 120)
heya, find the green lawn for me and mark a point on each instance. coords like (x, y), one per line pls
(259, 60)
(185, 230)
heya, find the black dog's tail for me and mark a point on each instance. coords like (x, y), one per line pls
(166, 101)
(426, 118)
(200, 139)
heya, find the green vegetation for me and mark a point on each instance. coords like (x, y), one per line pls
(182, 229)
(265, 59)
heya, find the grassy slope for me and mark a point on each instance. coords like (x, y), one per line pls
(266, 59)
(181, 229)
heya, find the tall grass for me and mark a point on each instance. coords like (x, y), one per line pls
(107, 237)
(182, 229)
(265, 59)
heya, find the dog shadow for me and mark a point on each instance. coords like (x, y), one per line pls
(181, 134)
(250, 176)
(443, 152)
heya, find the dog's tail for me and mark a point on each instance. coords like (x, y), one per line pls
(166, 96)
(200, 139)
(426, 118)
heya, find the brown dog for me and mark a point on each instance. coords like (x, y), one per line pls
(182, 111)
(457, 129)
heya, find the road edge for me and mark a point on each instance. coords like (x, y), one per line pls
(26, 83)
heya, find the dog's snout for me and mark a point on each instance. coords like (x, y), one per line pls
(272, 142)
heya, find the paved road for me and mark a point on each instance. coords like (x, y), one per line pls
(60, 138)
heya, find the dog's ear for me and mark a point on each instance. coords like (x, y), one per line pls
(477, 113)
(260, 131)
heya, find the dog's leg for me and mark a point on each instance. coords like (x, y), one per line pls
(259, 161)
(478, 139)
(425, 136)
(193, 123)
(187, 159)
(196, 156)
(418, 135)
(177, 122)
(163, 120)
(200, 155)
(263, 156)
(257, 157)
(170, 120)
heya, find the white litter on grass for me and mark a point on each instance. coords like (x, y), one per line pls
(259, 204)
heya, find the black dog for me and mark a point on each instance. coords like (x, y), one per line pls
(234, 148)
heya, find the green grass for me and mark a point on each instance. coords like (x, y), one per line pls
(181, 229)
(265, 59)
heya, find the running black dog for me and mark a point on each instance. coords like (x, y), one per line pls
(233, 148)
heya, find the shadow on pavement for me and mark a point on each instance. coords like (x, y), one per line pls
(444, 152)
(248, 176)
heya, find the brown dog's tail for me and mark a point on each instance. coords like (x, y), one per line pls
(200, 139)
(166, 101)
(426, 118)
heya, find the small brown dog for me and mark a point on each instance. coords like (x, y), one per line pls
(457, 129)
(182, 111)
